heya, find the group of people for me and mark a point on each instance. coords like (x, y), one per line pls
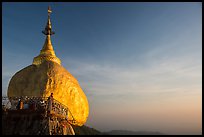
(28, 104)
(31, 104)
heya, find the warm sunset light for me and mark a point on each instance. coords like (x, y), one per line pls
(119, 67)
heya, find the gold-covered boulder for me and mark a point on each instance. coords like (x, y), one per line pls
(50, 77)
(46, 75)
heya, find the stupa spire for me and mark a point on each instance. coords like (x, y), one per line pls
(48, 28)
(47, 52)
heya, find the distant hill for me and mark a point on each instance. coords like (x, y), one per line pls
(85, 130)
(127, 132)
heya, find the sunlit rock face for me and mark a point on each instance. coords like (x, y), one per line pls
(50, 77)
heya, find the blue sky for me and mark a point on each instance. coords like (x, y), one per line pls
(139, 64)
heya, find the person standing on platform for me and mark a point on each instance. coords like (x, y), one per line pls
(50, 102)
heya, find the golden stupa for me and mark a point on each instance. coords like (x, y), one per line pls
(46, 75)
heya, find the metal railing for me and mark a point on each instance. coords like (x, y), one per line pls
(37, 104)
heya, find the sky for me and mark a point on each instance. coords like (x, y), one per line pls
(139, 64)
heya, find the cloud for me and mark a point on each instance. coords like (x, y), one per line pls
(169, 67)
(163, 74)
(116, 92)
(167, 79)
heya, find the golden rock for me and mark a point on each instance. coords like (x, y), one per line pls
(45, 76)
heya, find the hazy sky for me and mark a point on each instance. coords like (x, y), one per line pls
(140, 64)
